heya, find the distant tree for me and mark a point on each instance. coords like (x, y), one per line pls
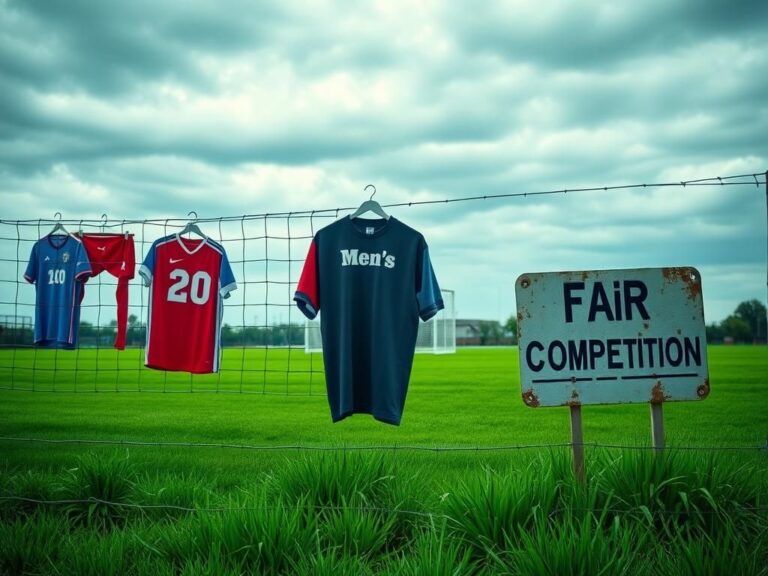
(714, 333)
(736, 328)
(753, 313)
(510, 327)
(135, 334)
(490, 331)
(86, 329)
(228, 336)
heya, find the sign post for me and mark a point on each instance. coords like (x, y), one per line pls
(611, 337)
(657, 425)
(577, 442)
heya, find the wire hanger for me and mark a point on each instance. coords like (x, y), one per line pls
(370, 205)
(59, 225)
(191, 227)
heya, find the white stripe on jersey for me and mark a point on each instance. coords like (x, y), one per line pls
(217, 340)
(149, 328)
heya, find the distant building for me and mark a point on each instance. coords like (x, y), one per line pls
(467, 332)
(475, 332)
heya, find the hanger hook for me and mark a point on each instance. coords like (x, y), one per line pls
(374, 190)
(192, 212)
(104, 219)
(59, 216)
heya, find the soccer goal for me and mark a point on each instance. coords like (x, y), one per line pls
(436, 336)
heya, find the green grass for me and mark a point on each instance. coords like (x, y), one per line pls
(468, 399)
(358, 517)
(373, 511)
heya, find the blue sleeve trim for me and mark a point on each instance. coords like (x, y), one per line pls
(225, 290)
(306, 305)
(145, 273)
(429, 297)
(432, 310)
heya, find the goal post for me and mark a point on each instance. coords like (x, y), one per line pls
(436, 336)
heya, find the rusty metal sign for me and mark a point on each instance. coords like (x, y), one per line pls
(611, 337)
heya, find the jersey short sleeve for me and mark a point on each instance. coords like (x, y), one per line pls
(82, 264)
(147, 269)
(30, 275)
(307, 296)
(226, 277)
(428, 296)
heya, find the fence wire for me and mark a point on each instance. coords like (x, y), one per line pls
(384, 448)
(366, 509)
(262, 331)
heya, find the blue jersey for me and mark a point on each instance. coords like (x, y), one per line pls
(373, 280)
(58, 267)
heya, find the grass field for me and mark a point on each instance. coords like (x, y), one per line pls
(489, 511)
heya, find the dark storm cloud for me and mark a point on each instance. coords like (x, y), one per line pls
(592, 35)
(114, 48)
(151, 109)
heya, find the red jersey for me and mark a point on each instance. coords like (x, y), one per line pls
(188, 279)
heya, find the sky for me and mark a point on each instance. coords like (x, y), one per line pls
(150, 110)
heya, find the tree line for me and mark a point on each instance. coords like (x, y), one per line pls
(92, 336)
(746, 325)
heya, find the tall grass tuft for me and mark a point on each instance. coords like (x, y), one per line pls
(30, 545)
(356, 531)
(682, 491)
(102, 485)
(487, 512)
(332, 480)
(92, 553)
(34, 486)
(260, 539)
(174, 495)
(576, 545)
(433, 553)
(727, 552)
(328, 564)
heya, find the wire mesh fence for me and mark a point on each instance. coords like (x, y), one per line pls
(263, 336)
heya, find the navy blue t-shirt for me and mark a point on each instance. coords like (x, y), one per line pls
(373, 280)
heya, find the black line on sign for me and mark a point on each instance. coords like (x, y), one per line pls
(553, 380)
(657, 376)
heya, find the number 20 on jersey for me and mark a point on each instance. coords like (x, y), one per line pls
(197, 288)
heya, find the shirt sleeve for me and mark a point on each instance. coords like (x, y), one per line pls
(147, 268)
(30, 275)
(428, 296)
(226, 277)
(82, 264)
(307, 296)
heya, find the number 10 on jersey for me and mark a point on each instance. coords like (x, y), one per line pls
(58, 276)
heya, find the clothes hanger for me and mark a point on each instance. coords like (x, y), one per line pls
(191, 227)
(370, 205)
(58, 226)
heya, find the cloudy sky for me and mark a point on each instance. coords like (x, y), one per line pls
(147, 110)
